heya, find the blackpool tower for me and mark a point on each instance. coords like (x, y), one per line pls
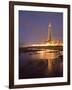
(49, 32)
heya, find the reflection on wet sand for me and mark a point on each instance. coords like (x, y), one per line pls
(43, 63)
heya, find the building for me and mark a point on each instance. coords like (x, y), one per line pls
(49, 32)
(50, 40)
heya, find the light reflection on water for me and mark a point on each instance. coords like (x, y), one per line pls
(46, 54)
(54, 60)
(50, 55)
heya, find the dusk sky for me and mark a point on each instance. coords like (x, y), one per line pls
(33, 26)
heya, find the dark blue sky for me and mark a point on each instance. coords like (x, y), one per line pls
(33, 26)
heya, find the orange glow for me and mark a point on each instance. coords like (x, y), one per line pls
(52, 43)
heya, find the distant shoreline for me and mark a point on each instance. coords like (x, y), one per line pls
(38, 48)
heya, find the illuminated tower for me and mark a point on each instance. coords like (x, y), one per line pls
(49, 32)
